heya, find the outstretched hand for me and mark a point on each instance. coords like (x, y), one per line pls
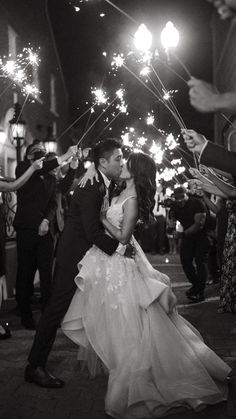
(172, 301)
(90, 175)
(225, 8)
(203, 96)
(194, 172)
(38, 164)
(194, 141)
(206, 171)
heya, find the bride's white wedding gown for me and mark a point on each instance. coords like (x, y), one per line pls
(157, 362)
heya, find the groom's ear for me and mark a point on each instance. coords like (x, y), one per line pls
(103, 162)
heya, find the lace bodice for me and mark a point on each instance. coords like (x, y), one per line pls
(115, 212)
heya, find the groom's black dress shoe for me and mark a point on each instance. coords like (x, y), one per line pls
(42, 377)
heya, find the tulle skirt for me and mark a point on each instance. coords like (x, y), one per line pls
(122, 316)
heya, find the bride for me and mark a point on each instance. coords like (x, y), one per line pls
(124, 316)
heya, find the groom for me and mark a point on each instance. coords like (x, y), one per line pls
(82, 230)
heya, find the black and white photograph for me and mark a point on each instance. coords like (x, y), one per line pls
(118, 209)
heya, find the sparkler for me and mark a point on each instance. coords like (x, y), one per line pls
(143, 41)
(16, 70)
(99, 116)
(75, 121)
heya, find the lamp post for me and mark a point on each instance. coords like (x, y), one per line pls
(50, 141)
(17, 129)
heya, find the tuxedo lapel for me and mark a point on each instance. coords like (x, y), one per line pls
(101, 186)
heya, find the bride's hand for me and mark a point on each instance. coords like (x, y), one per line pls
(172, 302)
(91, 174)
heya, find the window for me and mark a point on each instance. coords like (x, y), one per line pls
(12, 42)
(53, 105)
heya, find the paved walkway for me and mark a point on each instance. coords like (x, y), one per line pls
(83, 398)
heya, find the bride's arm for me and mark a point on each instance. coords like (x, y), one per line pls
(129, 221)
(90, 174)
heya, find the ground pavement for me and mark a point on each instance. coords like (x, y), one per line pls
(83, 398)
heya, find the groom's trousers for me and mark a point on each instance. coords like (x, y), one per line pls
(63, 290)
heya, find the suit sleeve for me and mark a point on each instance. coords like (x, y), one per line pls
(218, 157)
(66, 183)
(90, 201)
(51, 207)
(47, 167)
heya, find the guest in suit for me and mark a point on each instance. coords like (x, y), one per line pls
(210, 154)
(192, 215)
(11, 186)
(82, 229)
(62, 179)
(35, 207)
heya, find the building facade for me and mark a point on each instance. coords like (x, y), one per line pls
(26, 24)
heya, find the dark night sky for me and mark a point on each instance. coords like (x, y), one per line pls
(83, 36)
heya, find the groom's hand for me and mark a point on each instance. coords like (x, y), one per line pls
(130, 251)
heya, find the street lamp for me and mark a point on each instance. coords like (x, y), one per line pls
(50, 141)
(17, 128)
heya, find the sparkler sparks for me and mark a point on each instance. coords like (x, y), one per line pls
(150, 119)
(145, 71)
(118, 61)
(19, 71)
(100, 96)
(171, 143)
(157, 153)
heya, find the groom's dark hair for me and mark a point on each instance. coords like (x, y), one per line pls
(104, 149)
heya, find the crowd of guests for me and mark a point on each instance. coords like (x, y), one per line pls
(43, 182)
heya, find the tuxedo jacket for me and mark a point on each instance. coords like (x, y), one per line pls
(36, 199)
(83, 227)
(217, 156)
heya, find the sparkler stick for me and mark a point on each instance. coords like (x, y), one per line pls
(73, 123)
(99, 116)
(22, 108)
(8, 87)
(228, 120)
(173, 110)
(155, 95)
(122, 11)
(171, 101)
(171, 69)
(88, 120)
(104, 129)
(182, 64)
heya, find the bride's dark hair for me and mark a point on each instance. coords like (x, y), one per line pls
(143, 169)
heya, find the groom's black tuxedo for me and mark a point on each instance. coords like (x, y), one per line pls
(81, 231)
(83, 228)
(217, 156)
